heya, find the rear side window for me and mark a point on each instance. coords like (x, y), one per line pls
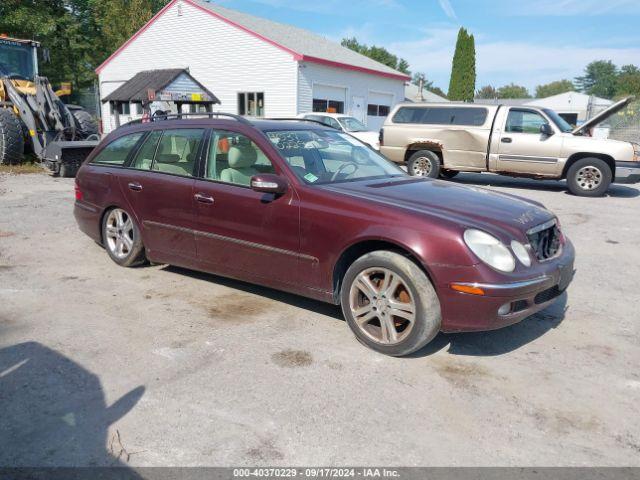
(144, 157)
(177, 151)
(469, 116)
(116, 152)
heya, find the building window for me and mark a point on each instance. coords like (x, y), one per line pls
(122, 109)
(377, 110)
(328, 106)
(251, 104)
(136, 108)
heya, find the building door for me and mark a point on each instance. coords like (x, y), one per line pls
(328, 98)
(357, 108)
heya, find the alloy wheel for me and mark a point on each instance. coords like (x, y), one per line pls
(120, 233)
(382, 305)
(589, 177)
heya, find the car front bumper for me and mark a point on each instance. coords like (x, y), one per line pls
(464, 312)
(627, 172)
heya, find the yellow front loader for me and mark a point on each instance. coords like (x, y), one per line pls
(33, 116)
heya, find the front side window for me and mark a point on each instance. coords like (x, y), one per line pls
(469, 116)
(235, 158)
(524, 121)
(326, 156)
(177, 151)
(116, 152)
(561, 120)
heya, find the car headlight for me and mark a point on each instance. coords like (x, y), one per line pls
(521, 253)
(490, 250)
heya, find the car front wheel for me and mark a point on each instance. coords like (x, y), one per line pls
(121, 238)
(589, 177)
(390, 304)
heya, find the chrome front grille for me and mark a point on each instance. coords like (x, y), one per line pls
(545, 240)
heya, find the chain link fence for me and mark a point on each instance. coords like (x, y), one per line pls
(625, 125)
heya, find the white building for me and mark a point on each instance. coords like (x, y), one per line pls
(253, 66)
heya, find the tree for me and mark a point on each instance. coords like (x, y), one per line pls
(554, 88)
(438, 91)
(379, 54)
(487, 91)
(628, 81)
(462, 84)
(513, 91)
(600, 79)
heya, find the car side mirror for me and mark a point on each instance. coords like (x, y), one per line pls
(269, 183)
(545, 129)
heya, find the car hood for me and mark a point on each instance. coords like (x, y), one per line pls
(470, 206)
(602, 116)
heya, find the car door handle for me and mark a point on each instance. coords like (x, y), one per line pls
(506, 140)
(202, 198)
(135, 186)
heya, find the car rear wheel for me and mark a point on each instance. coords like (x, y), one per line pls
(424, 163)
(390, 304)
(121, 238)
(589, 177)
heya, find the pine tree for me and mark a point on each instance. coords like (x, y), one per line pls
(463, 69)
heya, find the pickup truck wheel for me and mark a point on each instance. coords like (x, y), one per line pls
(447, 174)
(424, 163)
(389, 303)
(589, 177)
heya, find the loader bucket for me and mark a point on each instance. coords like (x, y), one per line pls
(65, 157)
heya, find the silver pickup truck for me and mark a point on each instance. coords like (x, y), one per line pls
(440, 140)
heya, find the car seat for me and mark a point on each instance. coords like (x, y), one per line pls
(241, 161)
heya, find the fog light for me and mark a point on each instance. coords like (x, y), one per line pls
(504, 309)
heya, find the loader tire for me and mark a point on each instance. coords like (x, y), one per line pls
(11, 139)
(85, 123)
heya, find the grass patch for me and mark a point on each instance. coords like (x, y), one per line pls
(23, 168)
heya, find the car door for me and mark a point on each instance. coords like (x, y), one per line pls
(242, 232)
(159, 187)
(523, 148)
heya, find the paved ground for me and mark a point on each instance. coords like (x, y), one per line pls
(102, 365)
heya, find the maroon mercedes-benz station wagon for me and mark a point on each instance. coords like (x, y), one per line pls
(301, 207)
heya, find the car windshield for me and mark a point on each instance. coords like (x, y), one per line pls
(325, 156)
(560, 122)
(351, 124)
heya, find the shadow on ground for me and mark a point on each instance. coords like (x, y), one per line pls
(485, 180)
(492, 343)
(53, 412)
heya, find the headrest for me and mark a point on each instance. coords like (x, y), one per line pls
(241, 157)
(168, 158)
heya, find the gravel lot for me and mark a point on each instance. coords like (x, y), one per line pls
(156, 366)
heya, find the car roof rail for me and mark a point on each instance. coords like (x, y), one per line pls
(180, 116)
(296, 119)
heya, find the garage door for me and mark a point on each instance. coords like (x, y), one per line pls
(378, 107)
(327, 98)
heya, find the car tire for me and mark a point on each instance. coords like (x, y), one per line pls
(121, 238)
(448, 174)
(399, 313)
(589, 177)
(11, 138)
(424, 163)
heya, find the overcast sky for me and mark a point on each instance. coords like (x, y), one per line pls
(527, 42)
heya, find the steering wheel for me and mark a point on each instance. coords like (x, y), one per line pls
(344, 166)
